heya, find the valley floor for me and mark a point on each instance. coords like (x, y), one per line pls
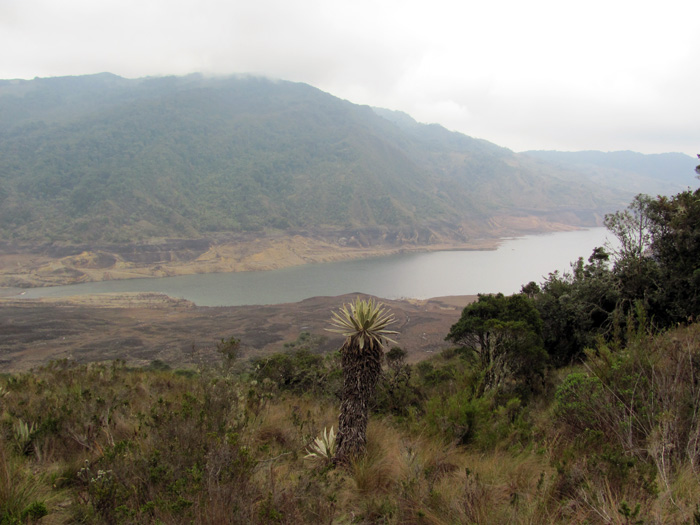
(141, 328)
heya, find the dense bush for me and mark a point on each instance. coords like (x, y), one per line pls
(643, 400)
(299, 371)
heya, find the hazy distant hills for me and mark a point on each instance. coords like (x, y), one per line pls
(661, 174)
(104, 159)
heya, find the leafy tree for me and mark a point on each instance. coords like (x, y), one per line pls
(531, 289)
(676, 252)
(658, 264)
(364, 324)
(504, 333)
(636, 272)
(577, 306)
(633, 227)
(396, 358)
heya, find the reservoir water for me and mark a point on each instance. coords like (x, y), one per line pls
(415, 275)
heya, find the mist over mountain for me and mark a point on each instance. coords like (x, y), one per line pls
(101, 158)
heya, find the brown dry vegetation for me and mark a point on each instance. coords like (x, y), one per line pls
(103, 443)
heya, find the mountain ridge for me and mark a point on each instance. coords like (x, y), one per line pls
(102, 164)
(283, 155)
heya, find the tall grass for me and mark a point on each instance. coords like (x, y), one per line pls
(103, 443)
(22, 494)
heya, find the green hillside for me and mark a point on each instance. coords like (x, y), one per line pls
(105, 159)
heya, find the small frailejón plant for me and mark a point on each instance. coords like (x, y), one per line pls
(323, 447)
(365, 327)
(23, 435)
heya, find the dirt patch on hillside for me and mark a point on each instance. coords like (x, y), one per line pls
(140, 328)
(26, 270)
(51, 264)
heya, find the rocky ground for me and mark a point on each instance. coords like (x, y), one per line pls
(141, 328)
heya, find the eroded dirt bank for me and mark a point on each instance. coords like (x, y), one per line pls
(140, 328)
(25, 270)
(24, 266)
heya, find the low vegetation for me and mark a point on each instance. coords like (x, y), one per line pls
(616, 440)
(575, 401)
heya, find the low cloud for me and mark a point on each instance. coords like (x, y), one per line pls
(542, 75)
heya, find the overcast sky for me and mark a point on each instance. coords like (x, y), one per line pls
(539, 74)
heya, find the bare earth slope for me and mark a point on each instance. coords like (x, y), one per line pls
(75, 264)
(140, 328)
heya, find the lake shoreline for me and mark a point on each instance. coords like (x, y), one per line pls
(58, 265)
(25, 271)
(165, 321)
(394, 274)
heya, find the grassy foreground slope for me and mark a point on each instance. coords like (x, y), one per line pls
(615, 441)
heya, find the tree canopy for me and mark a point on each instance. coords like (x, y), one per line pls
(504, 333)
(654, 278)
(651, 282)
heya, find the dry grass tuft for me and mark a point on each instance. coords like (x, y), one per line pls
(377, 470)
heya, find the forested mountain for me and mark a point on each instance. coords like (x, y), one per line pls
(106, 159)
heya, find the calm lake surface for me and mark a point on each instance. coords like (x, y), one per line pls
(416, 275)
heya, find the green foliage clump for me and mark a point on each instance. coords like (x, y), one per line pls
(642, 400)
(397, 392)
(298, 371)
(504, 334)
(576, 400)
(577, 307)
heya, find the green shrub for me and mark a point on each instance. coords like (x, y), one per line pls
(576, 401)
(457, 417)
(298, 371)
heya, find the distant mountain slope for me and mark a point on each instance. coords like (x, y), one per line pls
(661, 174)
(105, 159)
